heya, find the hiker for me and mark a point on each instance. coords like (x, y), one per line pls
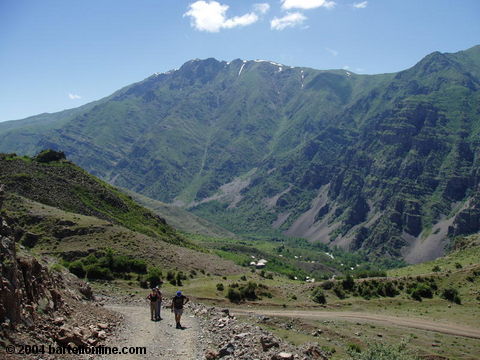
(178, 302)
(158, 305)
(153, 297)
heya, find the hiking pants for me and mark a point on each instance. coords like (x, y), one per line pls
(158, 308)
(152, 309)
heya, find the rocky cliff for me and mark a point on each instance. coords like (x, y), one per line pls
(39, 305)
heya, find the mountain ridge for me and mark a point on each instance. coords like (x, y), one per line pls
(386, 156)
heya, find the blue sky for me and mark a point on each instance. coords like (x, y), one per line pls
(58, 54)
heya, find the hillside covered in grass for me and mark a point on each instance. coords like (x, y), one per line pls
(63, 185)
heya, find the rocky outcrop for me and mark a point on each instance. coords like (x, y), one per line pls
(39, 304)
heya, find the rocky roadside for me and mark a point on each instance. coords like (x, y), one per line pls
(226, 337)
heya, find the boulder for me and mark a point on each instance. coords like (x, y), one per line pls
(268, 342)
(229, 349)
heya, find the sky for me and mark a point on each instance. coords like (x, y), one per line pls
(59, 54)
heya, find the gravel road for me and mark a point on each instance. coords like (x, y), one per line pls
(161, 339)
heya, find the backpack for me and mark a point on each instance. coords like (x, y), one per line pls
(178, 302)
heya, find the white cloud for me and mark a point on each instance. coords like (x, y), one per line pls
(332, 51)
(261, 8)
(346, 67)
(243, 20)
(307, 4)
(211, 16)
(289, 20)
(74, 96)
(360, 5)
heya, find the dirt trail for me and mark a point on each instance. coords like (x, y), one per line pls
(161, 339)
(413, 323)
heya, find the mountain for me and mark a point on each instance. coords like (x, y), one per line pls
(385, 163)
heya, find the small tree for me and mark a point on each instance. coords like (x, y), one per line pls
(318, 296)
(348, 284)
(154, 276)
(49, 155)
(451, 294)
(233, 295)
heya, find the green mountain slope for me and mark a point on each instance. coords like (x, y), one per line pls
(63, 185)
(385, 163)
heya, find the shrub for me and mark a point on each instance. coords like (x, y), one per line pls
(388, 289)
(339, 292)
(179, 278)
(170, 275)
(243, 278)
(220, 287)
(248, 291)
(354, 348)
(327, 285)
(154, 276)
(96, 272)
(49, 155)
(348, 283)
(458, 265)
(451, 294)
(318, 296)
(138, 266)
(234, 295)
(76, 268)
(436, 268)
(422, 291)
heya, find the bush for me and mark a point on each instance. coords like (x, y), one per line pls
(179, 278)
(388, 289)
(234, 295)
(451, 294)
(327, 285)
(436, 268)
(170, 275)
(339, 292)
(348, 283)
(49, 155)
(77, 269)
(422, 291)
(244, 292)
(458, 265)
(243, 278)
(96, 272)
(138, 266)
(220, 287)
(154, 277)
(318, 296)
(354, 348)
(248, 291)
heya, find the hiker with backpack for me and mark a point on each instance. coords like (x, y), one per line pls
(178, 302)
(153, 297)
